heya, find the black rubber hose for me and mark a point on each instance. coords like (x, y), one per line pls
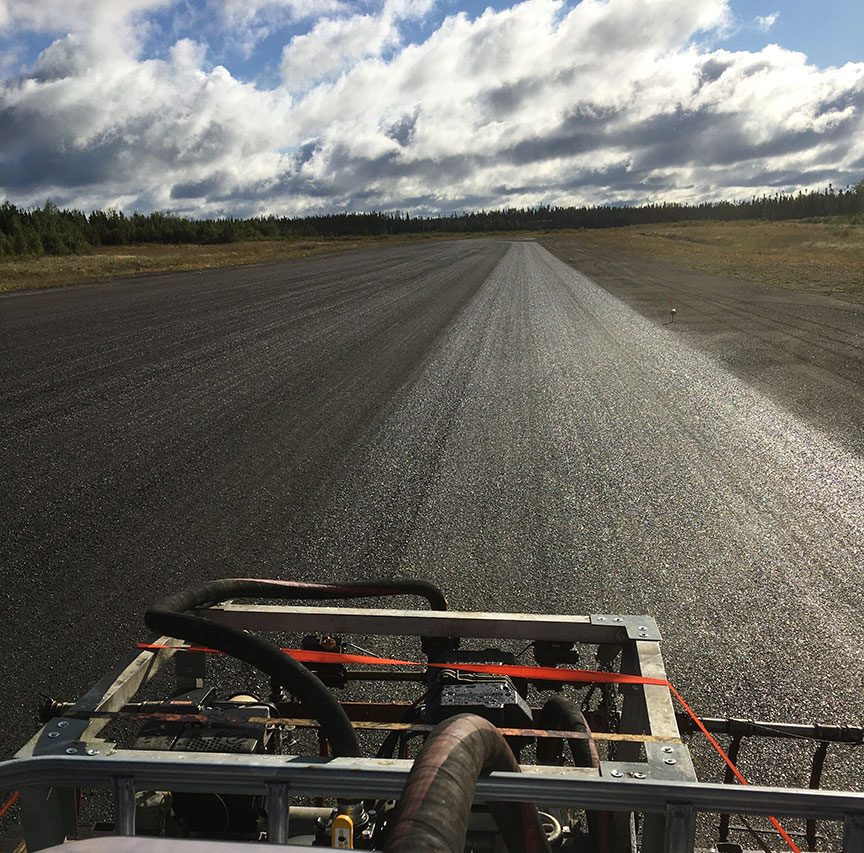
(433, 812)
(220, 590)
(168, 617)
(562, 714)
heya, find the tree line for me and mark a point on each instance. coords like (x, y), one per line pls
(50, 230)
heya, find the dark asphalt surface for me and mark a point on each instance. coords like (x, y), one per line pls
(477, 413)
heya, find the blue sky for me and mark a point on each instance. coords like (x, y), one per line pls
(829, 32)
(248, 107)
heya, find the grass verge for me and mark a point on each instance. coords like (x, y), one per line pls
(826, 258)
(22, 273)
(817, 257)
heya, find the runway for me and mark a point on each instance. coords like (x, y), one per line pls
(478, 413)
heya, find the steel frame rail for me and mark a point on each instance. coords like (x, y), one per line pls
(127, 771)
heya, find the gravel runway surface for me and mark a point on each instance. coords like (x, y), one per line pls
(478, 413)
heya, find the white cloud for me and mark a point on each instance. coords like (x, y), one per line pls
(765, 22)
(542, 102)
(112, 24)
(333, 44)
(248, 22)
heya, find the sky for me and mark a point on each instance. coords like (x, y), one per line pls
(297, 107)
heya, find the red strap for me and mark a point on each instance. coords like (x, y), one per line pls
(732, 767)
(8, 804)
(537, 673)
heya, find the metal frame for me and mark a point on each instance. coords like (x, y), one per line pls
(612, 628)
(66, 754)
(677, 801)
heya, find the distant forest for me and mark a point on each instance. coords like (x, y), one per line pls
(49, 230)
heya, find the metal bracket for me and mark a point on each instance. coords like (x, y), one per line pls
(58, 734)
(80, 747)
(632, 627)
(637, 771)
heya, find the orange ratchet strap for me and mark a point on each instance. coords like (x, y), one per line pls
(538, 673)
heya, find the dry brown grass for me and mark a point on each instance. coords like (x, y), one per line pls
(802, 256)
(114, 261)
(820, 258)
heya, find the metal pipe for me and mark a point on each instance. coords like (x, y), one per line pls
(278, 812)
(680, 828)
(739, 727)
(124, 805)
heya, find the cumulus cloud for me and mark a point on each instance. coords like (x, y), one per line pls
(110, 26)
(543, 102)
(248, 22)
(333, 45)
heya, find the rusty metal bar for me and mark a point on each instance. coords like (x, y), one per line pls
(372, 725)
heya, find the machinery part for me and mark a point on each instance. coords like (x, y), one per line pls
(432, 814)
(211, 814)
(551, 653)
(561, 713)
(497, 698)
(332, 674)
(346, 825)
(170, 617)
(551, 826)
(342, 832)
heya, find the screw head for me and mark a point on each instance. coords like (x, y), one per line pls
(639, 776)
(618, 619)
(92, 751)
(616, 773)
(669, 761)
(53, 734)
(667, 749)
(70, 750)
(63, 724)
(601, 618)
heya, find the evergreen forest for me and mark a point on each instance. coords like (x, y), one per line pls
(52, 231)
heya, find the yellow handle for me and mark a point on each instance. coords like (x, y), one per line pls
(343, 832)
